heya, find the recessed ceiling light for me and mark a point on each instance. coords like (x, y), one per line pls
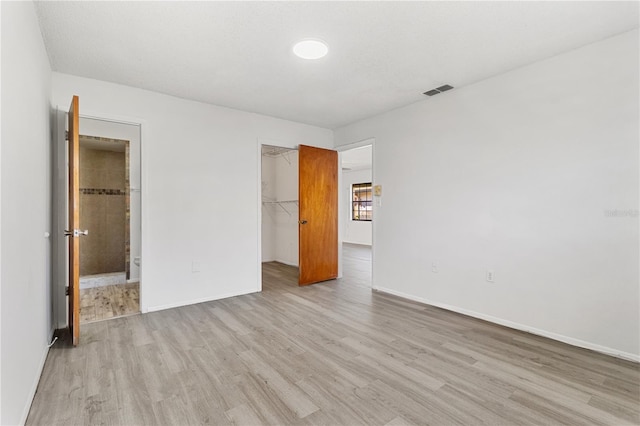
(311, 49)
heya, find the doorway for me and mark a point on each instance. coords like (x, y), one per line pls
(302, 184)
(99, 131)
(107, 288)
(279, 189)
(357, 213)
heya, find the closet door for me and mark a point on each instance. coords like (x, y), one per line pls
(318, 220)
(73, 233)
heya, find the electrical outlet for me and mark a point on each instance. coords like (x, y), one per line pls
(490, 275)
(195, 266)
(434, 267)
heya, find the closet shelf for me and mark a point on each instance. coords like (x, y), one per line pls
(275, 151)
(282, 204)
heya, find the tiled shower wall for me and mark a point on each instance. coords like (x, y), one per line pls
(102, 211)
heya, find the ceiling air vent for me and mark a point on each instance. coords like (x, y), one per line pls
(438, 90)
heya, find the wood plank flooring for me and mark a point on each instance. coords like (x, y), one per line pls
(356, 268)
(333, 353)
(105, 302)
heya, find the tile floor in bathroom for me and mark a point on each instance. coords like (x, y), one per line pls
(100, 303)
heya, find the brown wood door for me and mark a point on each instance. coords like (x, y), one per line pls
(318, 220)
(73, 233)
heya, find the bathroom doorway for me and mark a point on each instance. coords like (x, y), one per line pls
(107, 287)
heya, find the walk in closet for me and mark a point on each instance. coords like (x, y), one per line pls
(280, 205)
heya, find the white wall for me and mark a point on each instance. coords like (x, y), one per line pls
(355, 232)
(200, 187)
(26, 212)
(516, 173)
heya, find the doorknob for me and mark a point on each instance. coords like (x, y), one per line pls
(75, 233)
(303, 222)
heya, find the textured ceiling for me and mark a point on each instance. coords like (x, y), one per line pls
(383, 55)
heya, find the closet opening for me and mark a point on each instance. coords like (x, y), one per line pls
(280, 215)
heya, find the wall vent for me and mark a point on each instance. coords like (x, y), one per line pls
(437, 90)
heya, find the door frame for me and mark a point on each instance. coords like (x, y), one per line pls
(341, 201)
(60, 204)
(275, 142)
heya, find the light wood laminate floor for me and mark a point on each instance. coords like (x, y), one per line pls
(106, 302)
(333, 353)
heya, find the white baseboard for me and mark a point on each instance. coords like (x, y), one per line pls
(34, 386)
(195, 301)
(517, 326)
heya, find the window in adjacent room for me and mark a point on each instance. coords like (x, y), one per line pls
(361, 201)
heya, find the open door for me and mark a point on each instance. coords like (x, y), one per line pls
(318, 220)
(73, 233)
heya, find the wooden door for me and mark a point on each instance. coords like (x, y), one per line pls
(318, 220)
(73, 233)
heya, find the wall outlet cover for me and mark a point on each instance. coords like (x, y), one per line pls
(490, 275)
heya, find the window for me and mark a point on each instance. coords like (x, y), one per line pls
(361, 201)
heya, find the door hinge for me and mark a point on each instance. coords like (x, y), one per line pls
(66, 291)
(66, 135)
